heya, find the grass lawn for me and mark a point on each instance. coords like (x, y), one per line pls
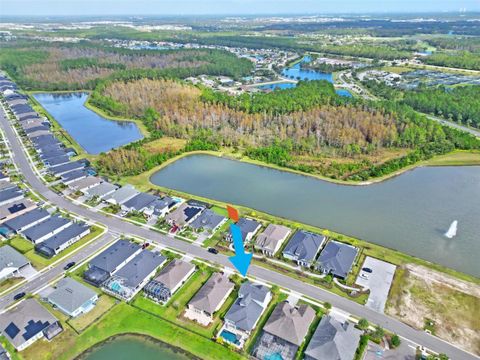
(21, 244)
(11, 350)
(104, 304)
(39, 261)
(164, 143)
(122, 319)
(8, 283)
(136, 217)
(456, 158)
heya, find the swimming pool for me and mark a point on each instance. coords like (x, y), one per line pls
(230, 337)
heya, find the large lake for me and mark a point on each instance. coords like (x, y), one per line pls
(94, 133)
(410, 212)
(133, 347)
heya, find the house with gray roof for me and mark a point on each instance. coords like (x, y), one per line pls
(72, 297)
(337, 259)
(248, 227)
(4, 355)
(333, 340)
(27, 322)
(184, 215)
(303, 247)
(209, 221)
(110, 260)
(169, 280)
(209, 299)
(11, 262)
(101, 191)
(62, 169)
(159, 207)
(271, 239)
(9, 195)
(65, 238)
(17, 208)
(74, 175)
(47, 228)
(27, 220)
(122, 195)
(139, 202)
(86, 183)
(243, 315)
(284, 331)
(132, 277)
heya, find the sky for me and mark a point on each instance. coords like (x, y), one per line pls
(226, 7)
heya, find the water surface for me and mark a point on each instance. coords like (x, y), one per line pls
(296, 72)
(93, 132)
(410, 212)
(129, 347)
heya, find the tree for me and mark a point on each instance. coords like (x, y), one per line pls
(395, 341)
(363, 324)
(378, 333)
(327, 306)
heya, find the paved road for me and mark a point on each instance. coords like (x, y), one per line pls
(260, 273)
(43, 278)
(454, 125)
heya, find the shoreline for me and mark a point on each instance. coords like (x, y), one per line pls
(139, 337)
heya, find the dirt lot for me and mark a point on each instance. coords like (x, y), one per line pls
(418, 294)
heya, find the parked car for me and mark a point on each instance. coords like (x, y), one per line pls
(212, 250)
(69, 265)
(368, 270)
(19, 296)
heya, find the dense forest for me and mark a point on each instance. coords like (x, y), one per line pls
(81, 67)
(471, 44)
(460, 59)
(297, 128)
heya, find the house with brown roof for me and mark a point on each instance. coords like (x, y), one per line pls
(270, 240)
(209, 299)
(284, 331)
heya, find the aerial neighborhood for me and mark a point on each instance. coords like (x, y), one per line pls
(187, 187)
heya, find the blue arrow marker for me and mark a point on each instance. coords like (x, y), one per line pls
(241, 260)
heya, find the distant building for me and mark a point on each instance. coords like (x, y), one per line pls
(11, 262)
(303, 247)
(72, 297)
(333, 340)
(28, 322)
(284, 332)
(209, 299)
(169, 280)
(272, 238)
(337, 259)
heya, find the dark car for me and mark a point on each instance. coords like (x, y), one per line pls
(368, 270)
(19, 296)
(69, 265)
(212, 250)
(145, 245)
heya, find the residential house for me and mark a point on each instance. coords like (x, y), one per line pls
(9, 195)
(17, 208)
(333, 340)
(284, 332)
(303, 247)
(337, 259)
(101, 191)
(184, 215)
(248, 227)
(110, 260)
(270, 240)
(65, 168)
(122, 195)
(131, 278)
(209, 221)
(209, 299)
(244, 314)
(27, 220)
(74, 175)
(139, 202)
(62, 240)
(11, 262)
(72, 297)
(4, 355)
(28, 322)
(169, 280)
(86, 183)
(47, 228)
(159, 207)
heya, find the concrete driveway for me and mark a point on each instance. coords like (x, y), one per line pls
(378, 281)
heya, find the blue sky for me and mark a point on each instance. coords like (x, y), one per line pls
(206, 7)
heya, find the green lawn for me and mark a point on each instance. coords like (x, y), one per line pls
(8, 283)
(122, 319)
(104, 304)
(21, 244)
